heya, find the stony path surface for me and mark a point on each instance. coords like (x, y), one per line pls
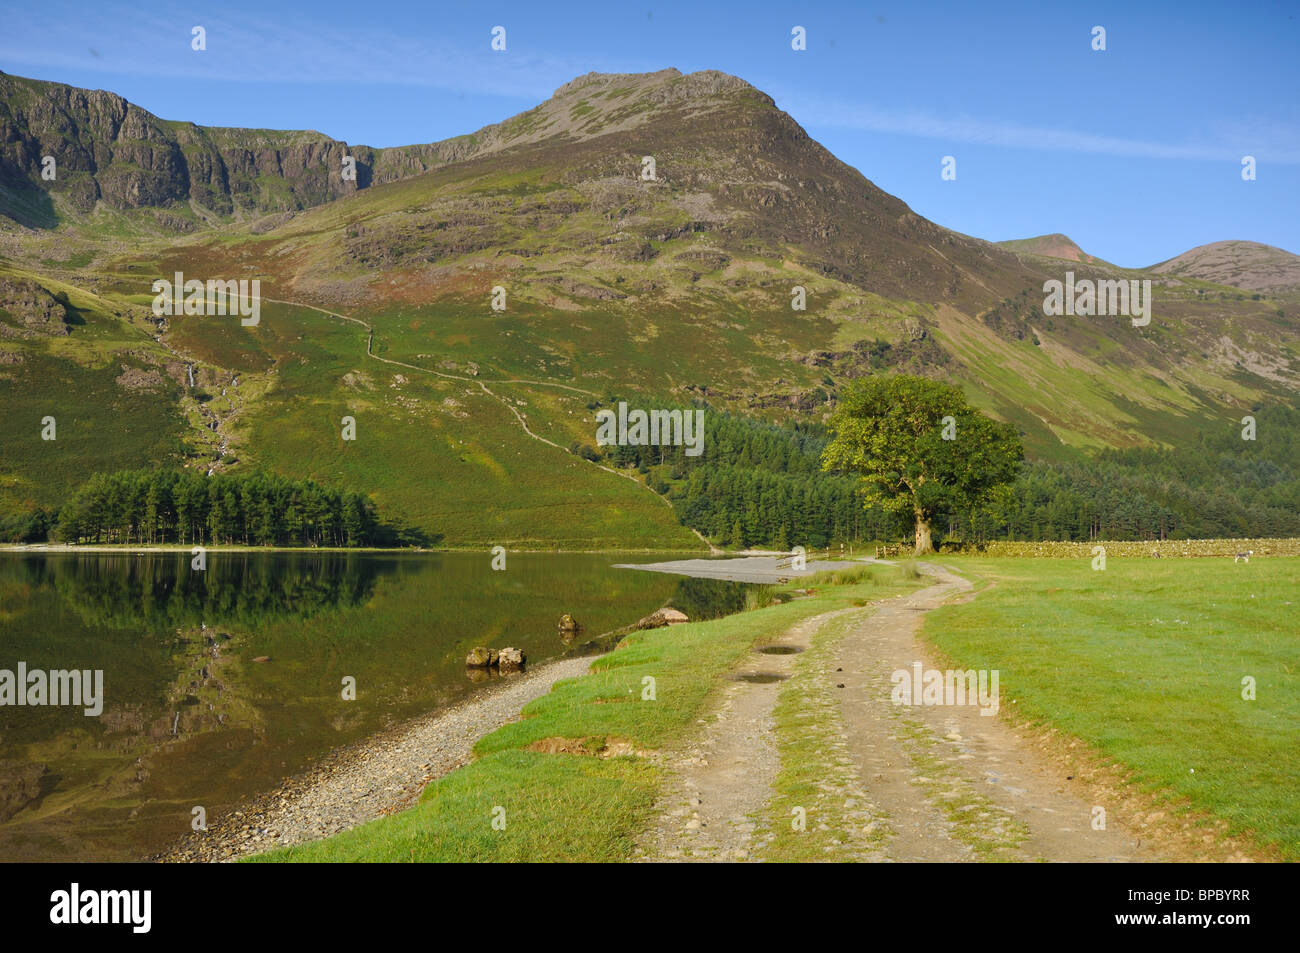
(376, 777)
(943, 783)
(955, 784)
(724, 780)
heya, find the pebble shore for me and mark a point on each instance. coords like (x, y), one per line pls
(379, 776)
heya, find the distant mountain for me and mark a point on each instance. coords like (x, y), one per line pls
(1050, 246)
(1247, 265)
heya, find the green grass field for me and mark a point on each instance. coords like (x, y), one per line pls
(1145, 662)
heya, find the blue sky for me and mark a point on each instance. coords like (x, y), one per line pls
(1134, 152)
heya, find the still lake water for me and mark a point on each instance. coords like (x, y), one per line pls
(190, 717)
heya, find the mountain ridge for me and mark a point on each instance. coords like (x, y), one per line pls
(216, 163)
(112, 149)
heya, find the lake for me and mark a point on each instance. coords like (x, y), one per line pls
(219, 684)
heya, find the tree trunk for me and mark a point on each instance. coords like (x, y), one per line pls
(923, 543)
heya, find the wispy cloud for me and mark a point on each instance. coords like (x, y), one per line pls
(1267, 140)
(243, 48)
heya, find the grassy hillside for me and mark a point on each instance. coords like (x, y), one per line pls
(683, 283)
(105, 384)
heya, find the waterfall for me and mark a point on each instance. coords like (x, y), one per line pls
(189, 369)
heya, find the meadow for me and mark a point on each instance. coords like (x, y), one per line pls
(1147, 662)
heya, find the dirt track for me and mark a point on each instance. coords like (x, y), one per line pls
(943, 782)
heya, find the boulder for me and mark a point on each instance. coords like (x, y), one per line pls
(510, 660)
(568, 623)
(660, 618)
(479, 657)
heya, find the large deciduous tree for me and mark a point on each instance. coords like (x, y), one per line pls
(892, 432)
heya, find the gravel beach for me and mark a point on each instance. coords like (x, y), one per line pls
(759, 569)
(381, 775)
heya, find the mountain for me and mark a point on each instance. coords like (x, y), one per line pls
(1050, 246)
(113, 152)
(673, 289)
(1247, 265)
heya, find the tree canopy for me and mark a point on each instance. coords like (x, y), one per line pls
(168, 506)
(919, 448)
